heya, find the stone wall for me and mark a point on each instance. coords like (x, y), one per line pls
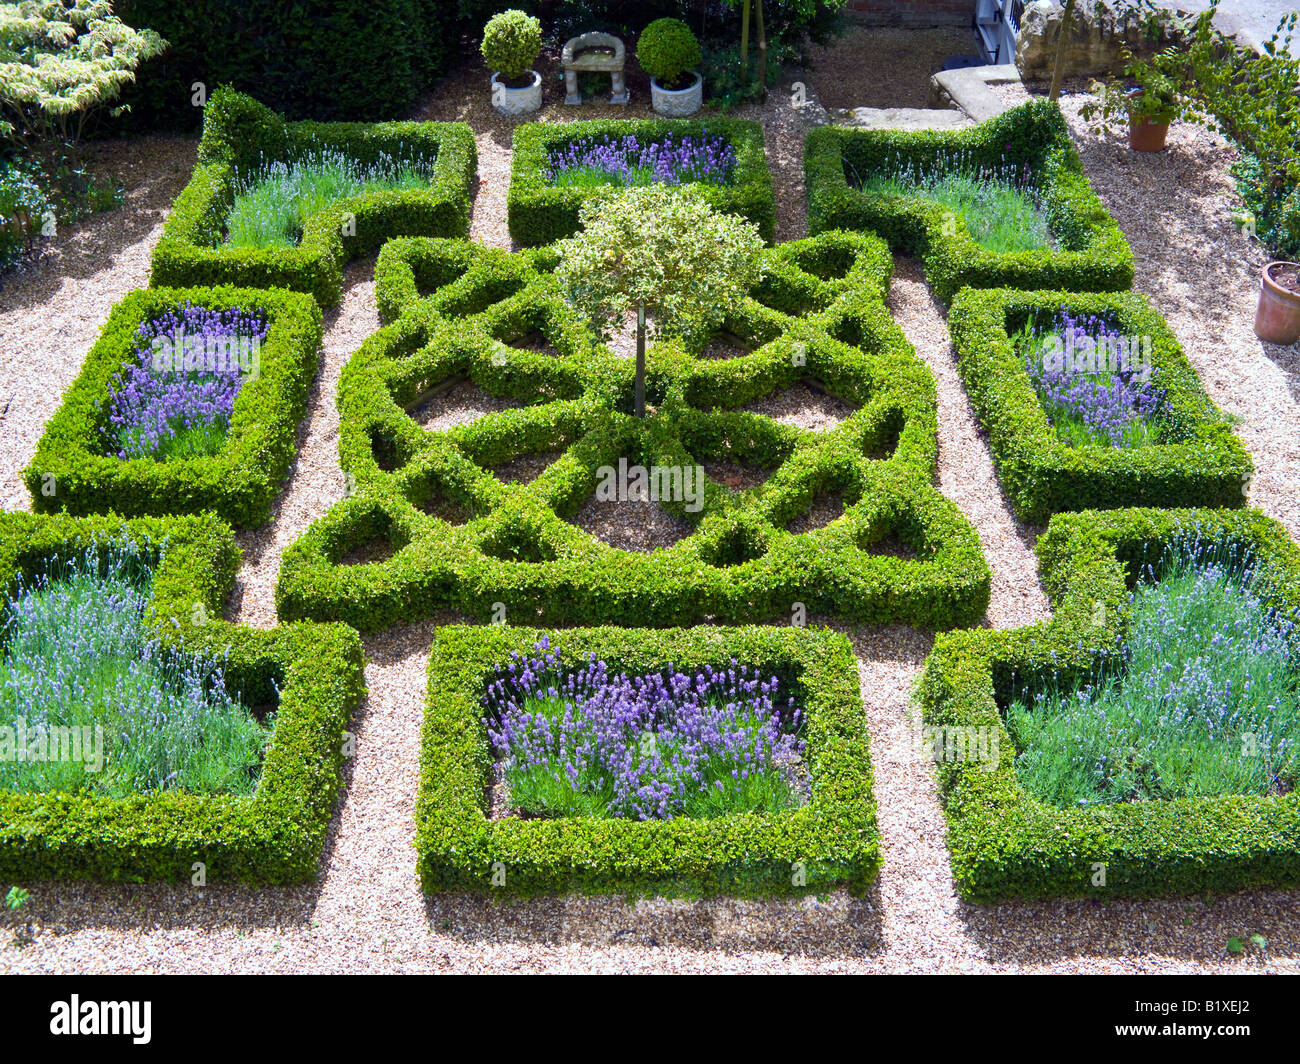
(1094, 44)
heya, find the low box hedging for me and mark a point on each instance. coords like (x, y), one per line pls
(239, 132)
(1200, 461)
(1092, 254)
(310, 674)
(72, 472)
(541, 212)
(830, 842)
(1005, 844)
(513, 547)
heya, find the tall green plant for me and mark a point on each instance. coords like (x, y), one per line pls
(661, 251)
(60, 63)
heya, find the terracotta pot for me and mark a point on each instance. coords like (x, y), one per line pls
(1147, 136)
(1278, 318)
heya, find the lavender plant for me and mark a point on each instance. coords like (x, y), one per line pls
(1000, 205)
(79, 656)
(627, 161)
(1201, 699)
(176, 399)
(274, 199)
(1093, 382)
(580, 742)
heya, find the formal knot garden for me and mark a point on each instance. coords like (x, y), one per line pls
(471, 526)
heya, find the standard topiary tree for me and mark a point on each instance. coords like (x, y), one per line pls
(511, 41)
(666, 50)
(658, 249)
(59, 63)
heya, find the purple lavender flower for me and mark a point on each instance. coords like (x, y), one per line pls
(1094, 383)
(176, 399)
(652, 746)
(627, 161)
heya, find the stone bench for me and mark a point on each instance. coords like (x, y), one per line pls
(600, 53)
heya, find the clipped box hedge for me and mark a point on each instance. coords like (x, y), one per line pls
(540, 212)
(1203, 463)
(830, 842)
(818, 316)
(72, 472)
(1005, 844)
(239, 133)
(1092, 256)
(310, 674)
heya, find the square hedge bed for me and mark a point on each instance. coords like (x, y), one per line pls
(239, 132)
(541, 213)
(1202, 462)
(832, 839)
(311, 672)
(71, 472)
(1005, 844)
(1092, 256)
(433, 527)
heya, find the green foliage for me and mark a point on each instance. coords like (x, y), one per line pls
(60, 62)
(1005, 844)
(541, 213)
(1199, 461)
(662, 249)
(1091, 252)
(242, 479)
(239, 134)
(309, 675)
(23, 206)
(666, 50)
(328, 60)
(511, 41)
(457, 536)
(830, 842)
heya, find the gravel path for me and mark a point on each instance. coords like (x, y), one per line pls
(367, 913)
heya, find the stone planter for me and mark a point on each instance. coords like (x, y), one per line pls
(523, 101)
(1278, 318)
(679, 102)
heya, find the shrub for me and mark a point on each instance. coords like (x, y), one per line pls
(817, 317)
(72, 470)
(830, 842)
(511, 41)
(310, 676)
(1197, 461)
(1004, 843)
(328, 60)
(666, 50)
(60, 62)
(23, 207)
(1092, 254)
(616, 264)
(541, 213)
(240, 134)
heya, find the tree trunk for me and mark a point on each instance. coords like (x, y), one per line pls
(744, 41)
(762, 50)
(1058, 67)
(640, 361)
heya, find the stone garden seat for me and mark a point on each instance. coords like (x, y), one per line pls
(595, 52)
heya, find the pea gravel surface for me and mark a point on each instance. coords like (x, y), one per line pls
(366, 912)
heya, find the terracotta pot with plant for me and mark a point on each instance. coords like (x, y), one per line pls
(668, 51)
(1277, 319)
(1160, 95)
(511, 41)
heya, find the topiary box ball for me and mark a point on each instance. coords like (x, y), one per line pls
(666, 50)
(511, 41)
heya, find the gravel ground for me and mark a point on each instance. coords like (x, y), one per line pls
(366, 912)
